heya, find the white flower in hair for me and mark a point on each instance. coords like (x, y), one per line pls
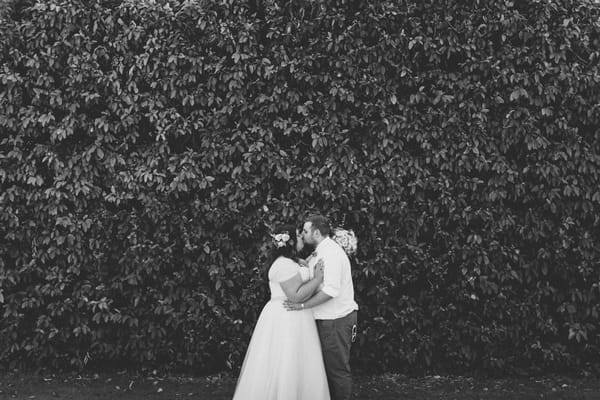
(280, 239)
(346, 239)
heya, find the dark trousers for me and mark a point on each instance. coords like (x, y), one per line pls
(336, 340)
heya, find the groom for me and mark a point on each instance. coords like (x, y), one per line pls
(333, 306)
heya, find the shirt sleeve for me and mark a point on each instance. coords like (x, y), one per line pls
(304, 274)
(284, 269)
(332, 276)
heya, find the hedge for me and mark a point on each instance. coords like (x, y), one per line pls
(147, 146)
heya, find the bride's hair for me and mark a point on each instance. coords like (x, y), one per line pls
(283, 242)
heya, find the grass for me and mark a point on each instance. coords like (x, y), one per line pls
(220, 387)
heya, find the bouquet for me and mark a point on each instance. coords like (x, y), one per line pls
(346, 239)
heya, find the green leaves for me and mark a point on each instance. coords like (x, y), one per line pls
(147, 147)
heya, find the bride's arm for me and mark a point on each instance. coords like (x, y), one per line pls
(298, 291)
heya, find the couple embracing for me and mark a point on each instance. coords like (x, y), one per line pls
(300, 347)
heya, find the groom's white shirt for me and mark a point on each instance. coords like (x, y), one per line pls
(337, 281)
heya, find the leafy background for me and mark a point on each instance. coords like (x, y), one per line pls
(146, 146)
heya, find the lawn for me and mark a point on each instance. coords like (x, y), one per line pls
(220, 387)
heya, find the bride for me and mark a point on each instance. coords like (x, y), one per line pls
(284, 359)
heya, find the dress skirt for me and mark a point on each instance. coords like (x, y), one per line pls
(284, 359)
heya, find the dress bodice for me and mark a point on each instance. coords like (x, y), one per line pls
(282, 270)
(276, 290)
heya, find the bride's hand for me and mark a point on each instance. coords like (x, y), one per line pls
(319, 270)
(303, 263)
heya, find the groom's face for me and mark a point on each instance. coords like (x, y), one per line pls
(308, 235)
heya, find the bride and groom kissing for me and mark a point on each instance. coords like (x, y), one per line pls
(300, 347)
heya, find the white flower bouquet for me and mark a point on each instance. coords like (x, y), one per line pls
(346, 239)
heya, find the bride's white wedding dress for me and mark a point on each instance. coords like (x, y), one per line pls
(284, 359)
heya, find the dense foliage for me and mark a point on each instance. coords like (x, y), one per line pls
(146, 146)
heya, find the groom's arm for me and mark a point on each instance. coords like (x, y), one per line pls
(332, 277)
(331, 286)
(319, 298)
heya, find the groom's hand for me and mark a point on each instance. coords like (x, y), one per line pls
(291, 306)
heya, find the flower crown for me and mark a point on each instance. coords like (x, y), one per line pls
(346, 239)
(281, 239)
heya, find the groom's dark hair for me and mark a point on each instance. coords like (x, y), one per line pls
(321, 223)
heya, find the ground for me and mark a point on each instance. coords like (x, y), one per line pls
(220, 387)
